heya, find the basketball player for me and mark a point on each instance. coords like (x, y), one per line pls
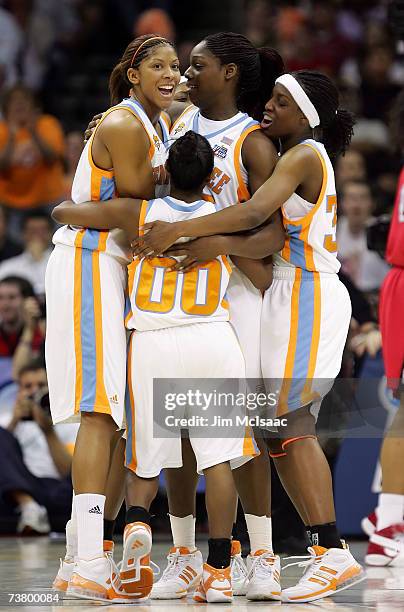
(306, 311)
(386, 530)
(85, 287)
(175, 322)
(228, 73)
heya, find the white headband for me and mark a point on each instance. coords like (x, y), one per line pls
(301, 98)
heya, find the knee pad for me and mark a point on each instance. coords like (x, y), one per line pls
(291, 440)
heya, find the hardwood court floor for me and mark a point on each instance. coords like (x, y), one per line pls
(29, 565)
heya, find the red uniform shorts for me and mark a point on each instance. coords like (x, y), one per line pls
(391, 315)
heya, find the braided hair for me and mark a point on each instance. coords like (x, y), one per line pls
(258, 68)
(336, 124)
(119, 84)
(190, 161)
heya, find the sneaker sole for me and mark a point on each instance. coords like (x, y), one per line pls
(135, 578)
(346, 585)
(189, 592)
(60, 585)
(375, 560)
(273, 596)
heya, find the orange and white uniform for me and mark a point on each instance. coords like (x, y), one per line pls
(85, 282)
(307, 310)
(182, 331)
(228, 186)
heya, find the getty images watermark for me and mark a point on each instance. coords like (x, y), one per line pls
(218, 408)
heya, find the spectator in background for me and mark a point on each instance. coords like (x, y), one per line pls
(8, 246)
(350, 167)
(31, 152)
(155, 20)
(11, 41)
(258, 27)
(20, 318)
(377, 87)
(31, 264)
(74, 147)
(365, 268)
(35, 456)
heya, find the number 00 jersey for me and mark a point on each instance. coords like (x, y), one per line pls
(94, 183)
(161, 298)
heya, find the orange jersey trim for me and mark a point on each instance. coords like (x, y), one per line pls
(242, 189)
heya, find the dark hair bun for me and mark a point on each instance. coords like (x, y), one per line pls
(189, 143)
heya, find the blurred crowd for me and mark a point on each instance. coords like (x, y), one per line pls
(55, 56)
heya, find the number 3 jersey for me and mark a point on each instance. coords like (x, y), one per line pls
(160, 297)
(311, 242)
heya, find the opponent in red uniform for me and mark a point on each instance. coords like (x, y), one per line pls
(386, 546)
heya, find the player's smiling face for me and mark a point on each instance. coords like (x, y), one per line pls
(157, 76)
(282, 116)
(206, 76)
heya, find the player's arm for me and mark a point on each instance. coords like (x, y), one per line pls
(176, 109)
(259, 158)
(128, 147)
(258, 271)
(104, 215)
(289, 173)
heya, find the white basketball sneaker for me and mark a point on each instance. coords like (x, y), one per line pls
(63, 576)
(98, 579)
(181, 576)
(238, 570)
(66, 568)
(136, 573)
(264, 576)
(328, 571)
(214, 586)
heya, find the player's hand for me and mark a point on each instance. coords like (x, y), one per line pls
(196, 251)
(158, 237)
(91, 126)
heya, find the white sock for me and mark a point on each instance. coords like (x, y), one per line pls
(260, 532)
(71, 536)
(183, 530)
(390, 510)
(90, 525)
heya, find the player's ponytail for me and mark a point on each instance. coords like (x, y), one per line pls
(271, 67)
(190, 161)
(336, 124)
(138, 50)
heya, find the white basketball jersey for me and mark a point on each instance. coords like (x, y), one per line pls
(229, 180)
(162, 298)
(93, 183)
(311, 242)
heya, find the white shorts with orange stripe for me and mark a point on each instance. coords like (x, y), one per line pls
(199, 350)
(85, 346)
(245, 302)
(304, 326)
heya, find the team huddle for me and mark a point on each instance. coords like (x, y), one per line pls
(199, 244)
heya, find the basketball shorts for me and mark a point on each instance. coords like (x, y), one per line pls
(206, 351)
(85, 346)
(391, 308)
(304, 326)
(245, 302)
